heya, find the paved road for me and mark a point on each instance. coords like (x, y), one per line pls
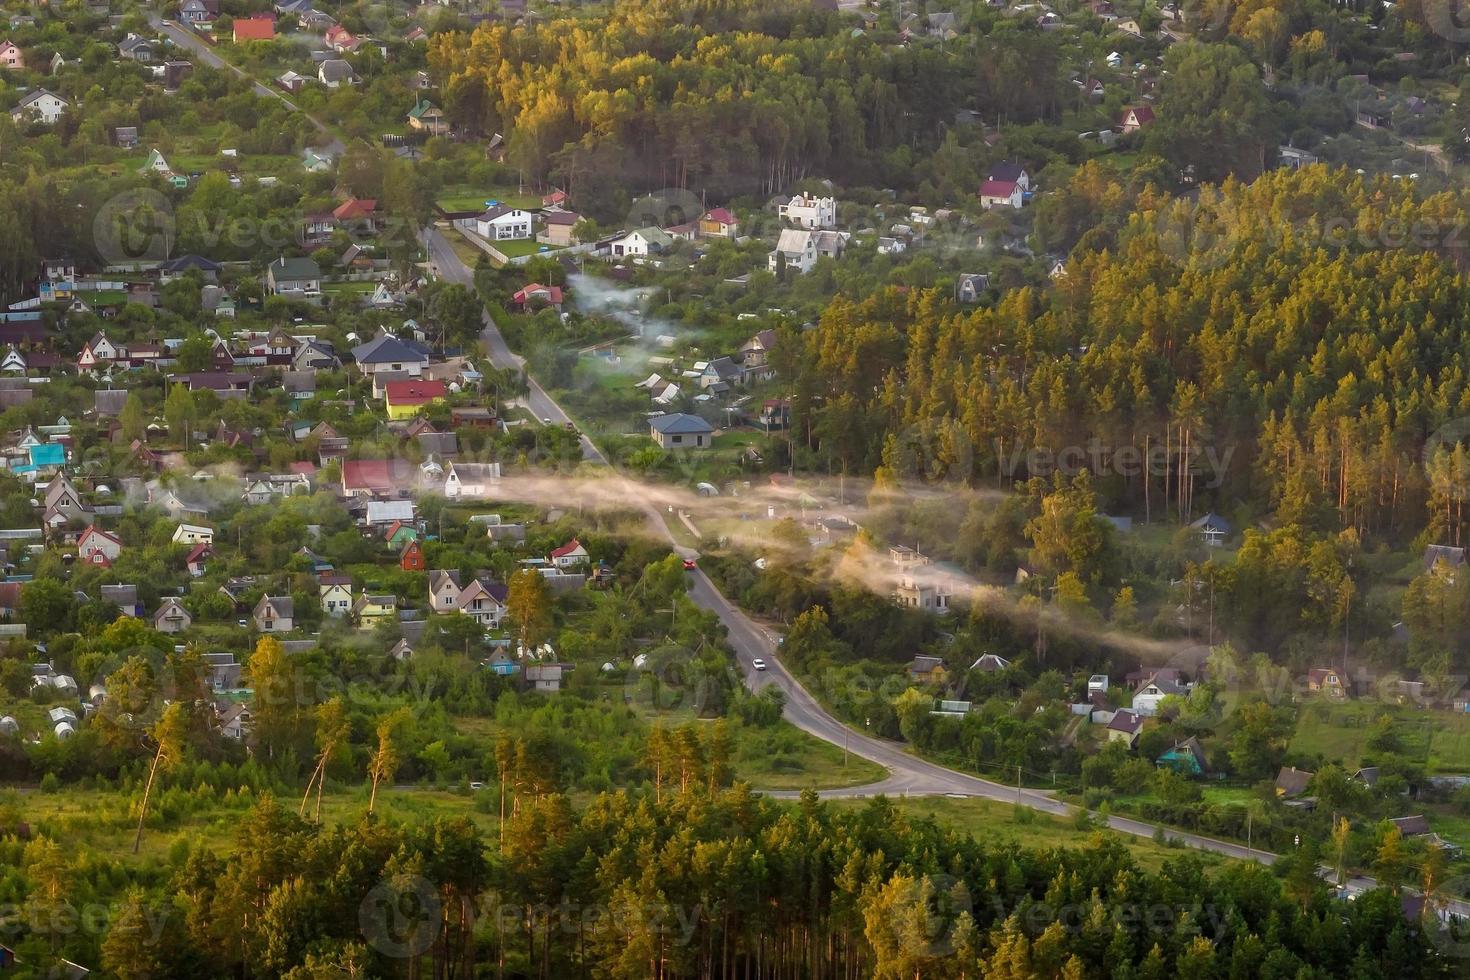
(445, 263)
(187, 39)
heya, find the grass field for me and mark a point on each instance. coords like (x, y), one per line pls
(105, 820)
(471, 199)
(525, 246)
(994, 821)
(1438, 740)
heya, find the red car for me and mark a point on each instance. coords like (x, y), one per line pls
(688, 564)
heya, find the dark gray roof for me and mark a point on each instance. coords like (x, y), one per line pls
(680, 424)
(387, 349)
(299, 268)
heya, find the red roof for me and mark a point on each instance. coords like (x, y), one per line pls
(306, 468)
(566, 549)
(414, 392)
(367, 474)
(1142, 114)
(199, 552)
(358, 207)
(721, 215)
(254, 29)
(530, 291)
(998, 188)
(90, 531)
(555, 197)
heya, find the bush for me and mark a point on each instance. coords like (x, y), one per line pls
(50, 783)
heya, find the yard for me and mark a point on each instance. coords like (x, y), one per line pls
(515, 248)
(462, 198)
(1437, 740)
(999, 823)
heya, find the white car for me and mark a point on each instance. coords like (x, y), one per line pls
(758, 664)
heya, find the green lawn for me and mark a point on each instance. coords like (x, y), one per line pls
(464, 198)
(995, 821)
(783, 757)
(515, 248)
(1438, 740)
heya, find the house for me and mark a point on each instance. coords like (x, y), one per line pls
(386, 354)
(97, 547)
(192, 534)
(569, 555)
(483, 602)
(376, 477)
(719, 223)
(470, 479)
(197, 559)
(1001, 193)
(254, 29)
(386, 513)
(40, 105)
(126, 137)
(547, 677)
(795, 249)
(1292, 782)
(1289, 157)
(124, 597)
(135, 48)
(172, 617)
(411, 558)
(502, 223)
(373, 607)
(929, 595)
(989, 663)
(1212, 529)
(335, 592)
(195, 12)
(680, 431)
(809, 212)
(294, 278)
(534, 295)
(1137, 118)
(234, 721)
(971, 286)
(444, 589)
(335, 73)
(643, 242)
(928, 670)
(176, 268)
(1125, 727)
(1327, 680)
(1186, 758)
(720, 374)
(357, 214)
(11, 57)
(426, 117)
(1452, 558)
(1151, 693)
(400, 534)
(294, 82)
(405, 399)
(558, 228)
(274, 614)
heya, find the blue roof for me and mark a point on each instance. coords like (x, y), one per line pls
(48, 454)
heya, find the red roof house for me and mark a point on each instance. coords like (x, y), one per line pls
(411, 558)
(535, 294)
(254, 29)
(1137, 117)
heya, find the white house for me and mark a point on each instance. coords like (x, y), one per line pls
(502, 224)
(810, 212)
(644, 241)
(470, 479)
(193, 534)
(274, 614)
(569, 555)
(40, 104)
(97, 547)
(336, 598)
(483, 603)
(798, 248)
(172, 617)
